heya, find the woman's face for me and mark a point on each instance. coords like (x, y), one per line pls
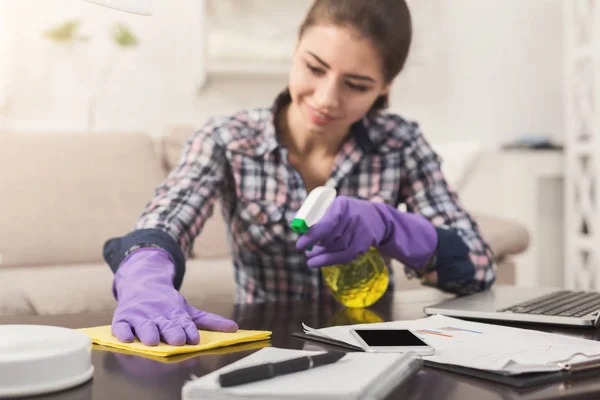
(335, 78)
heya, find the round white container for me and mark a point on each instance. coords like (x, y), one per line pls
(37, 359)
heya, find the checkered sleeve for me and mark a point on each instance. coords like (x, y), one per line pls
(463, 262)
(185, 200)
(180, 206)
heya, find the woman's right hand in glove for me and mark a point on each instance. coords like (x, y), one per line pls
(149, 306)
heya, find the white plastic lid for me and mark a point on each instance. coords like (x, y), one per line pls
(314, 207)
(37, 359)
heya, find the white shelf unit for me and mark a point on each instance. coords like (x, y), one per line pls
(237, 60)
(256, 68)
(525, 186)
(582, 155)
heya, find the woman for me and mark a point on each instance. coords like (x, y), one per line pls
(327, 128)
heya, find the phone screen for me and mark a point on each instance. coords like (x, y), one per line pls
(389, 338)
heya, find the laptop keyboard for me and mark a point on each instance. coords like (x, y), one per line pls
(564, 303)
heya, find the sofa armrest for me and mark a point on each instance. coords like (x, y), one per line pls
(505, 236)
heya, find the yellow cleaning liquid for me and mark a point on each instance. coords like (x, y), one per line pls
(352, 316)
(359, 283)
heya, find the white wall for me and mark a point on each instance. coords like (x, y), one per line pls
(490, 70)
(484, 70)
(4, 55)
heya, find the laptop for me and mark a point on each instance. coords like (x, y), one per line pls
(537, 305)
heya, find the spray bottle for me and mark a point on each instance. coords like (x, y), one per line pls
(359, 283)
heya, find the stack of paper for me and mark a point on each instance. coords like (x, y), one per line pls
(500, 349)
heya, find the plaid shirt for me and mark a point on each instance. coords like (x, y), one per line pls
(239, 160)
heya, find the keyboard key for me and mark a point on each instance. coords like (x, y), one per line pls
(562, 303)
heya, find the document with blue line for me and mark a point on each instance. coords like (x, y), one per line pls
(500, 349)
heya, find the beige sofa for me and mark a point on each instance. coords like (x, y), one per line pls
(63, 195)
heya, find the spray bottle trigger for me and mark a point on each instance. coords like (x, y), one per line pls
(299, 226)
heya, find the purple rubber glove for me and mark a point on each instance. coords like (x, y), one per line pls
(351, 226)
(150, 307)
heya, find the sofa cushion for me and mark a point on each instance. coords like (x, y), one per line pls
(13, 301)
(504, 236)
(212, 241)
(86, 288)
(64, 195)
(62, 289)
(459, 158)
(77, 288)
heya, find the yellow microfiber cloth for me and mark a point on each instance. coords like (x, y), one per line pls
(183, 357)
(102, 335)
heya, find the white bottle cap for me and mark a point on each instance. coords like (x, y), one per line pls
(314, 207)
(37, 359)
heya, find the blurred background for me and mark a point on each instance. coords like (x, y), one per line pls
(488, 71)
(495, 85)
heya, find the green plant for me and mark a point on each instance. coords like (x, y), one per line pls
(123, 36)
(67, 34)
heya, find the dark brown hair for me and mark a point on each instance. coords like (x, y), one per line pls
(386, 23)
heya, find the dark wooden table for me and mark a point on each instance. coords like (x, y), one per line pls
(123, 376)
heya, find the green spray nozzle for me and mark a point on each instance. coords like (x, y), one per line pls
(299, 225)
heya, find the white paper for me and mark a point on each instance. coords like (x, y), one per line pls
(482, 346)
